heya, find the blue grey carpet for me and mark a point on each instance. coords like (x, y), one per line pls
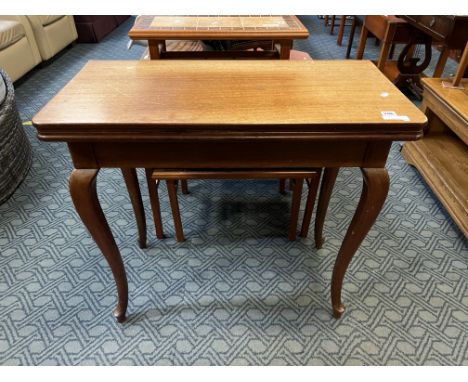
(237, 291)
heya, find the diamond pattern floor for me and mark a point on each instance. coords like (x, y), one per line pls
(236, 292)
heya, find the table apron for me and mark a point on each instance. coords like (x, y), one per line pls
(230, 154)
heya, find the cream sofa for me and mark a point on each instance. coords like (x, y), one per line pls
(18, 49)
(25, 41)
(52, 33)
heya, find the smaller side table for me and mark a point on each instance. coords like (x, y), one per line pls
(442, 155)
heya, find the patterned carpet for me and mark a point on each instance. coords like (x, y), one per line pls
(237, 291)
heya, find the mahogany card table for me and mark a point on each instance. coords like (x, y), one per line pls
(225, 115)
(282, 30)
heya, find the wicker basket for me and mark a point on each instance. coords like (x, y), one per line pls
(15, 149)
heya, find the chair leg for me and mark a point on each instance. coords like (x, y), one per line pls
(384, 50)
(326, 188)
(332, 24)
(184, 186)
(362, 43)
(392, 51)
(313, 184)
(282, 186)
(351, 37)
(439, 69)
(339, 39)
(154, 200)
(172, 191)
(295, 206)
(462, 68)
(131, 181)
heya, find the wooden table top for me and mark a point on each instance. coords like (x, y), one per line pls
(131, 100)
(217, 27)
(456, 98)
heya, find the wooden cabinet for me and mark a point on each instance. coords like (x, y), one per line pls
(451, 30)
(442, 155)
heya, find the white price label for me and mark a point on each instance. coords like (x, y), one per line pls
(392, 116)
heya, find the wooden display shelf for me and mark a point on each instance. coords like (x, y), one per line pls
(442, 155)
(442, 160)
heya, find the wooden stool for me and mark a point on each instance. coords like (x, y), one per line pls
(391, 30)
(388, 30)
(171, 177)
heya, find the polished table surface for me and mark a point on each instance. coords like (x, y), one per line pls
(127, 99)
(226, 115)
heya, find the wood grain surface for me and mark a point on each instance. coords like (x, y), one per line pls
(456, 98)
(139, 99)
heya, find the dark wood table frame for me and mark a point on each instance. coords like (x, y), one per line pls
(108, 118)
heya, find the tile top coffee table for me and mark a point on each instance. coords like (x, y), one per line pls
(156, 29)
(229, 115)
